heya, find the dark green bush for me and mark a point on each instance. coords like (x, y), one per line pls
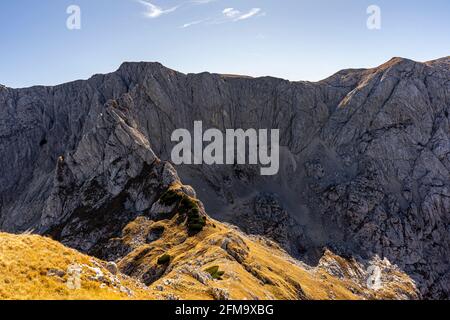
(170, 197)
(187, 204)
(194, 212)
(195, 222)
(164, 259)
(187, 207)
(215, 273)
(195, 228)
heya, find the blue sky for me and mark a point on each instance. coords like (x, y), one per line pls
(292, 39)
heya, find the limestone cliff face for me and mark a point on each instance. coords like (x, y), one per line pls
(365, 159)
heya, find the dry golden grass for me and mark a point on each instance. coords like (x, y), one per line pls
(254, 268)
(25, 261)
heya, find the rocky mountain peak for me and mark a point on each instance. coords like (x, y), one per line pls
(365, 160)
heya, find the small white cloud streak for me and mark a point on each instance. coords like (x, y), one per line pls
(153, 11)
(193, 23)
(253, 12)
(231, 13)
(228, 14)
(236, 15)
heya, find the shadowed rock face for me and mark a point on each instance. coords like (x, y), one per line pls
(365, 159)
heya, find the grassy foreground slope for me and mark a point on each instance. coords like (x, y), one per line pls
(219, 262)
(253, 268)
(35, 267)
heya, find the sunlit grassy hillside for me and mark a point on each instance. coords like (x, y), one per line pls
(219, 262)
(35, 267)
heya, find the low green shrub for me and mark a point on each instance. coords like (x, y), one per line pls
(187, 207)
(215, 273)
(187, 204)
(195, 228)
(164, 259)
(170, 197)
(195, 222)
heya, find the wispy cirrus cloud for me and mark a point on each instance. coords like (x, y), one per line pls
(237, 15)
(231, 13)
(228, 15)
(154, 11)
(193, 23)
(252, 13)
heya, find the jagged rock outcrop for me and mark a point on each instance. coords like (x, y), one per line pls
(365, 159)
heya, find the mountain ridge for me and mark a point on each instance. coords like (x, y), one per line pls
(370, 149)
(159, 64)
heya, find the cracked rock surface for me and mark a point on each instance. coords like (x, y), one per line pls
(365, 159)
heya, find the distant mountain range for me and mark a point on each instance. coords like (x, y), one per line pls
(364, 178)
